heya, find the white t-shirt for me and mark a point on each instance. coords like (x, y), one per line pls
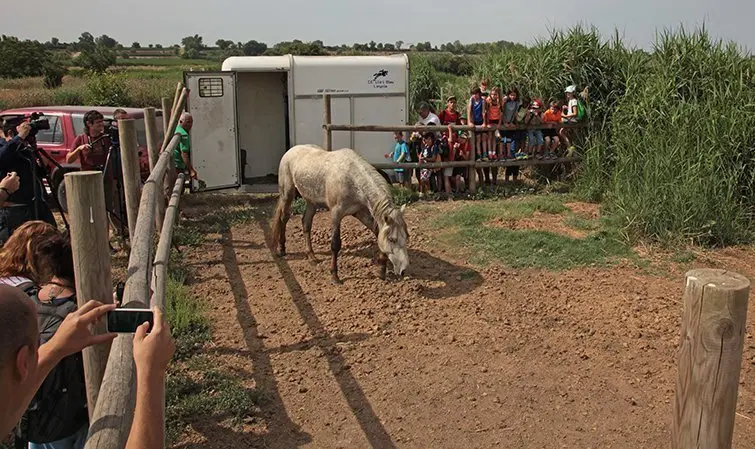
(431, 118)
(573, 104)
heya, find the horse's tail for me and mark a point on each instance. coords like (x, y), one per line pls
(286, 193)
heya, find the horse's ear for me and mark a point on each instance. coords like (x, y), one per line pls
(403, 208)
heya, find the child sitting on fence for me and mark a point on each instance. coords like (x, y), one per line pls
(429, 153)
(401, 154)
(534, 117)
(509, 138)
(572, 114)
(476, 116)
(551, 117)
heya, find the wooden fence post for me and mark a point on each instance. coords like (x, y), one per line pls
(114, 412)
(167, 111)
(153, 146)
(472, 181)
(176, 95)
(131, 172)
(327, 134)
(710, 359)
(91, 263)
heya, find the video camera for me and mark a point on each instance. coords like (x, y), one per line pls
(38, 123)
(35, 122)
(111, 129)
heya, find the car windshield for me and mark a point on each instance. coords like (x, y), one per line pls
(141, 133)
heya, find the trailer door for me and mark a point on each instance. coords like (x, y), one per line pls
(214, 134)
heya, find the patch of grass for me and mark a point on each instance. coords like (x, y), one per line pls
(683, 256)
(582, 224)
(166, 62)
(542, 249)
(533, 248)
(478, 214)
(185, 314)
(207, 394)
(187, 236)
(299, 206)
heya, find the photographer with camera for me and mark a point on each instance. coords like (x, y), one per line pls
(17, 155)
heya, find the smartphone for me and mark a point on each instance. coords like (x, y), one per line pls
(125, 321)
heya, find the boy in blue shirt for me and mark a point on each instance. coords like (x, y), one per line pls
(401, 154)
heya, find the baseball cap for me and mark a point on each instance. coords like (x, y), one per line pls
(571, 89)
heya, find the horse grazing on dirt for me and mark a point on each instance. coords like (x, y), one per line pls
(345, 183)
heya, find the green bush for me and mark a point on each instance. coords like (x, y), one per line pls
(52, 75)
(423, 81)
(107, 90)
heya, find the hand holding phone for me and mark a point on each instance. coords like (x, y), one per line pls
(153, 352)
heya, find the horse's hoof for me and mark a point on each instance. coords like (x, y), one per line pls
(336, 282)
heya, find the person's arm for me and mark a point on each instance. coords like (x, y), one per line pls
(72, 336)
(8, 185)
(404, 151)
(80, 145)
(12, 146)
(152, 354)
(469, 112)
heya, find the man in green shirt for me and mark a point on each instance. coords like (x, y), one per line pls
(182, 153)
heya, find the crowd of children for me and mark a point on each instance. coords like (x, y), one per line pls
(497, 115)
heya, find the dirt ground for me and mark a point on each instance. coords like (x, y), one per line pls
(456, 356)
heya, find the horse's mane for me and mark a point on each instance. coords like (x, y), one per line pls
(375, 189)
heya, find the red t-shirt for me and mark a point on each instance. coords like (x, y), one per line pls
(95, 158)
(447, 117)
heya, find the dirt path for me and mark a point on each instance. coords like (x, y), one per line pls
(455, 357)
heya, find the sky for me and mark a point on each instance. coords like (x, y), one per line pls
(349, 21)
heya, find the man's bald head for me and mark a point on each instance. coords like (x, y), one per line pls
(19, 324)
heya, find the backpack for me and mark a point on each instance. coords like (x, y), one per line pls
(443, 148)
(59, 408)
(581, 110)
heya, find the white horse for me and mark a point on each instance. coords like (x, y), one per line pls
(345, 183)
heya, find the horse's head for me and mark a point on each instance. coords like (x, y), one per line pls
(392, 239)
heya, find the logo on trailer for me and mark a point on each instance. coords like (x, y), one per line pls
(380, 74)
(380, 80)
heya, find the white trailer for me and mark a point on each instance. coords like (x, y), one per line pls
(260, 106)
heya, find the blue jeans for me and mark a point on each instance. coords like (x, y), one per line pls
(535, 137)
(75, 441)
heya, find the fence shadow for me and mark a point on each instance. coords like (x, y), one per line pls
(357, 400)
(282, 430)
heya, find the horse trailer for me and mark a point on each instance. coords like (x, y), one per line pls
(248, 114)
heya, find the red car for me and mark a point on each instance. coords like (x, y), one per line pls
(67, 122)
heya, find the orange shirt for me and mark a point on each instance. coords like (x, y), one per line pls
(551, 116)
(494, 112)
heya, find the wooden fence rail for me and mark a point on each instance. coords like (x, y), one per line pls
(109, 370)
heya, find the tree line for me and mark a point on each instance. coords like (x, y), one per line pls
(51, 59)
